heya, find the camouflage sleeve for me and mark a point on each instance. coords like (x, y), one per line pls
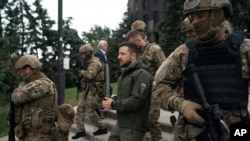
(158, 55)
(93, 69)
(167, 79)
(245, 53)
(33, 90)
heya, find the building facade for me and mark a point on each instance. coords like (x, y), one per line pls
(151, 12)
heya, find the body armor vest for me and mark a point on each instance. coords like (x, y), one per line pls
(219, 70)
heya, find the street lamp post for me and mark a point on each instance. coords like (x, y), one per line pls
(60, 70)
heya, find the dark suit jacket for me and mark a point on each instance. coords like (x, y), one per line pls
(100, 55)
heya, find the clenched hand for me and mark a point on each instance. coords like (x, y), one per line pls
(189, 111)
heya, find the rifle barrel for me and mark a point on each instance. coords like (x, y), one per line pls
(198, 87)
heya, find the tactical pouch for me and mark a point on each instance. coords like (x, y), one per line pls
(37, 118)
(55, 134)
(100, 90)
(19, 131)
(18, 114)
(45, 128)
(100, 76)
(83, 84)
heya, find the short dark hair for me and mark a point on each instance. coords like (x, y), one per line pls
(132, 47)
(132, 34)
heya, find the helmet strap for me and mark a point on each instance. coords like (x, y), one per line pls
(211, 28)
(35, 74)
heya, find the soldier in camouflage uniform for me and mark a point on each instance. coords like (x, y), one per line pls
(140, 26)
(151, 55)
(35, 102)
(213, 52)
(187, 28)
(92, 79)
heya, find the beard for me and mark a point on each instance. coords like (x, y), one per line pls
(125, 64)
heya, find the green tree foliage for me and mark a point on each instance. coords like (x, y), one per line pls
(72, 42)
(26, 28)
(39, 35)
(118, 36)
(96, 34)
(114, 38)
(9, 43)
(241, 16)
(170, 26)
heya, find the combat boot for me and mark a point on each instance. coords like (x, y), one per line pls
(79, 134)
(100, 131)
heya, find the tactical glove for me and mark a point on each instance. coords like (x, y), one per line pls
(189, 111)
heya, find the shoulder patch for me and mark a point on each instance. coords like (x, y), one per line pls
(143, 87)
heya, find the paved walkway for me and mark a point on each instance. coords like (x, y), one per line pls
(164, 118)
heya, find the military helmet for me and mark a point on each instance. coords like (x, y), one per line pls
(28, 60)
(86, 48)
(186, 25)
(201, 5)
(138, 25)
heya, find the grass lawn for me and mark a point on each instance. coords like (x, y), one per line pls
(71, 94)
(70, 98)
(3, 120)
(4, 108)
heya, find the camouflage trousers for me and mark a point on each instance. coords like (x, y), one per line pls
(87, 106)
(154, 125)
(184, 131)
(36, 137)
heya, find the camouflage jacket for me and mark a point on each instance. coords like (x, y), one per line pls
(39, 95)
(168, 91)
(93, 77)
(152, 55)
(133, 97)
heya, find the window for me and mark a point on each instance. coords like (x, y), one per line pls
(136, 6)
(155, 1)
(156, 16)
(145, 19)
(145, 3)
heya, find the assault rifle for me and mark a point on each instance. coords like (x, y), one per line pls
(81, 65)
(78, 87)
(11, 121)
(215, 128)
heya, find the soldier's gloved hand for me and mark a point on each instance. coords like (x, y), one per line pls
(189, 111)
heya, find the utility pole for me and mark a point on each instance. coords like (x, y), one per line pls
(60, 69)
